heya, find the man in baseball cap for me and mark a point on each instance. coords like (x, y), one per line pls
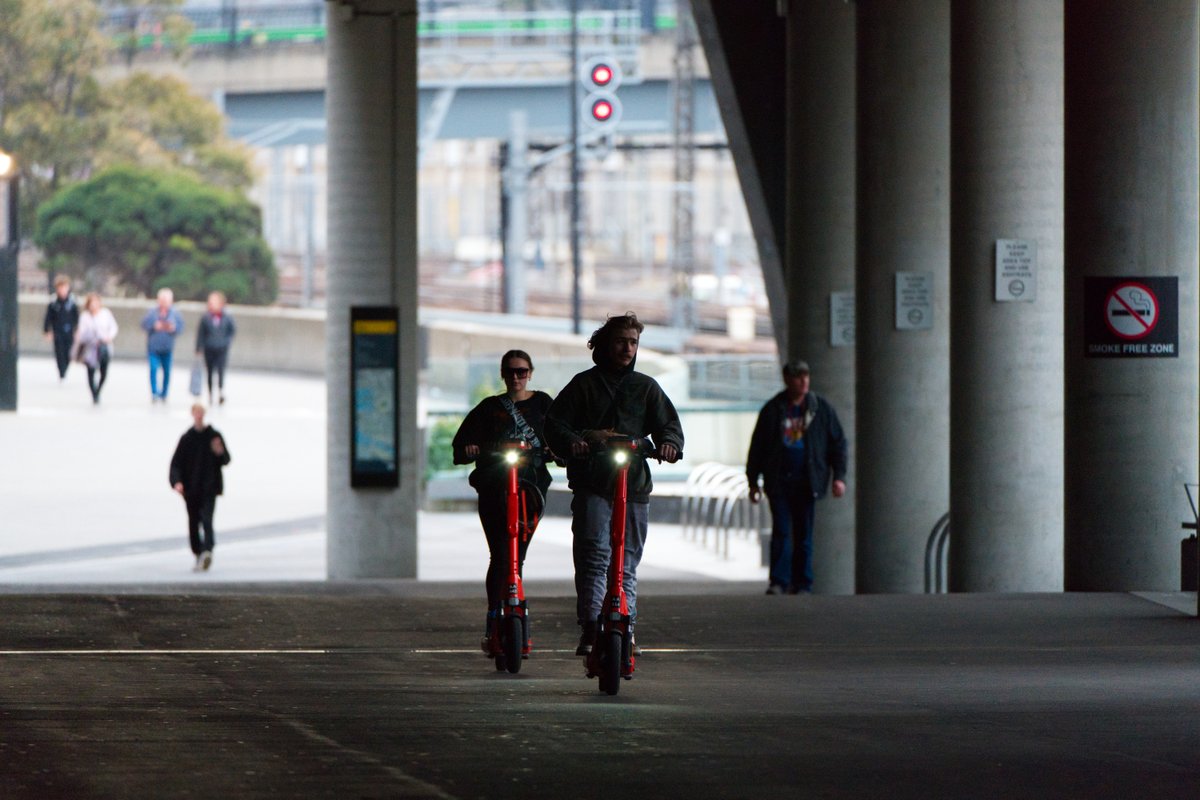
(797, 447)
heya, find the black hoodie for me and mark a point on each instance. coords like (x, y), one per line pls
(626, 401)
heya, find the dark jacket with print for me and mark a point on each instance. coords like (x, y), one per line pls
(825, 445)
(628, 402)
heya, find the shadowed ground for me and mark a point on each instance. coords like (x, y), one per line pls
(377, 691)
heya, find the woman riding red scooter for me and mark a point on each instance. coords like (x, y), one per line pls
(519, 413)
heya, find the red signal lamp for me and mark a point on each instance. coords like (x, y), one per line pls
(602, 74)
(602, 110)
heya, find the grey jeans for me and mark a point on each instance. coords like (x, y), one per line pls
(592, 548)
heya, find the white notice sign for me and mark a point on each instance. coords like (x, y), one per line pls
(1016, 270)
(841, 319)
(914, 301)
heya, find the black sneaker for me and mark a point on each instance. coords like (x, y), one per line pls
(586, 639)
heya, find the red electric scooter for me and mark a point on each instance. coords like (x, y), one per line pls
(612, 657)
(510, 641)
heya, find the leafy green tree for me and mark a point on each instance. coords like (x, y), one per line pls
(148, 229)
(64, 124)
(157, 121)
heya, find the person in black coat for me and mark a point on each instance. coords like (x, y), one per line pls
(61, 322)
(797, 446)
(196, 476)
(519, 413)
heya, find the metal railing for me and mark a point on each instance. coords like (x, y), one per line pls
(716, 506)
(937, 550)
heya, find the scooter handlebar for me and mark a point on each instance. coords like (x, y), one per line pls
(640, 446)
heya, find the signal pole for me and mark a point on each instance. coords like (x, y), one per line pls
(683, 309)
(573, 83)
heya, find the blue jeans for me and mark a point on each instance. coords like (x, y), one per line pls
(792, 517)
(158, 360)
(592, 548)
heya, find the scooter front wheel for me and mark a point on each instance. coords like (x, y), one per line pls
(514, 641)
(610, 662)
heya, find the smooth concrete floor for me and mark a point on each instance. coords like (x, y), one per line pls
(378, 691)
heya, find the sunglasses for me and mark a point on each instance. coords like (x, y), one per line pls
(517, 372)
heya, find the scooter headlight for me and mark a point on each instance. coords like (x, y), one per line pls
(620, 456)
(512, 456)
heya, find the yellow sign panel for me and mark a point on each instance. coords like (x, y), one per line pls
(374, 326)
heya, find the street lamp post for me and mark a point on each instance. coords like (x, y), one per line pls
(10, 240)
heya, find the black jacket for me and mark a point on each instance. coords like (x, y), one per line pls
(213, 336)
(825, 445)
(490, 422)
(62, 318)
(196, 466)
(628, 402)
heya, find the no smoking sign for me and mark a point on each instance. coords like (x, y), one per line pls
(1131, 311)
(1132, 317)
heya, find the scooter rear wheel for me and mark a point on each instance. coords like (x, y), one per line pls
(514, 641)
(610, 662)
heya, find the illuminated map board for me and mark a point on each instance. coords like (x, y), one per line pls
(374, 444)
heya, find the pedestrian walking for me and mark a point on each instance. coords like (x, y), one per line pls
(161, 324)
(214, 335)
(196, 475)
(62, 319)
(797, 446)
(94, 341)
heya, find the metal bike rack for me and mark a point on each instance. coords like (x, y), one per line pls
(937, 550)
(716, 504)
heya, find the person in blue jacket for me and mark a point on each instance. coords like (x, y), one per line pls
(161, 324)
(797, 446)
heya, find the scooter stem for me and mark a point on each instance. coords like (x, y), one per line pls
(620, 503)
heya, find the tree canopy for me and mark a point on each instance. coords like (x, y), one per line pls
(64, 124)
(151, 228)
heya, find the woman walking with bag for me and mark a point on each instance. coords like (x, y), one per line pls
(519, 413)
(94, 340)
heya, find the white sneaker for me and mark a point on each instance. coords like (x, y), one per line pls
(205, 560)
(199, 565)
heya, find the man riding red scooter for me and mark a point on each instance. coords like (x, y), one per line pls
(611, 399)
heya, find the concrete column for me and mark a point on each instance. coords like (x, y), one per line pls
(1131, 211)
(903, 219)
(1006, 387)
(372, 110)
(819, 254)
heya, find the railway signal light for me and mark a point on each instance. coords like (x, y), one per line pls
(601, 107)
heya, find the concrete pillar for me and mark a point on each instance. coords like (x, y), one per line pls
(1006, 387)
(819, 254)
(903, 219)
(372, 110)
(1131, 211)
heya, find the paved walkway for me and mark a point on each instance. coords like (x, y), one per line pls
(85, 497)
(383, 694)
